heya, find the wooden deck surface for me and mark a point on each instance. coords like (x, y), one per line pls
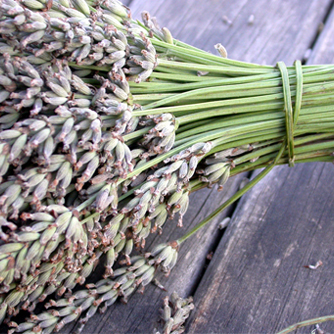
(256, 281)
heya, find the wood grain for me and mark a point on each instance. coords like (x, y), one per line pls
(127, 2)
(323, 51)
(282, 30)
(256, 281)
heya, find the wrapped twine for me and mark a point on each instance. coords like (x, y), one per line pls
(291, 118)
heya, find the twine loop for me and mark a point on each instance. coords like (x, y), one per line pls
(291, 117)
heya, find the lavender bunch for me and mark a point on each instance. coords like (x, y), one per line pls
(102, 294)
(106, 126)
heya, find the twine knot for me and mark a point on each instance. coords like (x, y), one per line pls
(291, 117)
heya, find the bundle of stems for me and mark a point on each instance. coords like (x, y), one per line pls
(106, 125)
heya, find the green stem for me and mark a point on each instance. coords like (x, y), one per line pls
(324, 156)
(214, 69)
(194, 85)
(86, 203)
(235, 197)
(273, 148)
(137, 134)
(183, 50)
(95, 214)
(309, 322)
(204, 138)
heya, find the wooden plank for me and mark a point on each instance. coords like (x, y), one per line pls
(256, 281)
(280, 31)
(323, 50)
(186, 20)
(127, 2)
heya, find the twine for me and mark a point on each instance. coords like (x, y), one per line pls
(291, 117)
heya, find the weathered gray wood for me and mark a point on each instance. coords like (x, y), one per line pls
(126, 2)
(256, 282)
(323, 50)
(201, 24)
(282, 30)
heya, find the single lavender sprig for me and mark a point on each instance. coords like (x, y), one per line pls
(174, 313)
